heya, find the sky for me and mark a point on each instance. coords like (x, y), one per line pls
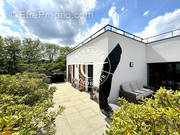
(68, 22)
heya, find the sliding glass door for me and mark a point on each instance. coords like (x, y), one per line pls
(164, 75)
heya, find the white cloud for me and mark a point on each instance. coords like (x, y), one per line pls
(122, 9)
(83, 35)
(167, 22)
(114, 15)
(65, 31)
(2, 14)
(6, 31)
(3, 19)
(65, 28)
(146, 13)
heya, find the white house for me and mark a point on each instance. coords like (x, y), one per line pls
(155, 61)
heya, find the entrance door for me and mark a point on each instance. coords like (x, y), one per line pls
(73, 71)
(82, 84)
(90, 79)
(69, 73)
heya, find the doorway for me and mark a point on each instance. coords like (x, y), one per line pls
(69, 73)
(90, 79)
(82, 79)
(164, 75)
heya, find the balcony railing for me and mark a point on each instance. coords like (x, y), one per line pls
(129, 35)
(161, 36)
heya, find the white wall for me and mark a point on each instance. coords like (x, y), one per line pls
(132, 51)
(167, 50)
(92, 52)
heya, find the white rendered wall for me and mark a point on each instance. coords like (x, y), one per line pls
(93, 52)
(132, 51)
(167, 50)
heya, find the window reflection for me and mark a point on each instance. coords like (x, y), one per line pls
(164, 75)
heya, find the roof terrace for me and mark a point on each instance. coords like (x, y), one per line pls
(111, 28)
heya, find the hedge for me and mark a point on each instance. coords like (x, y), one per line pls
(153, 116)
(24, 103)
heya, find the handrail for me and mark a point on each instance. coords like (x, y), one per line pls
(127, 33)
(109, 27)
(90, 37)
(168, 34)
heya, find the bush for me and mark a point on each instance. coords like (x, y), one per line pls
(24, 103)
(158, 116)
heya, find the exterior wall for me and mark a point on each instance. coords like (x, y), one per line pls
(93, 52)
(132, 51)
(167, 50)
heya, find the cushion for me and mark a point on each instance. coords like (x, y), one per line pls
(145, 94)
(140, 91)
(126, 87)
(144, 89)
(134, 86)
(139, 84)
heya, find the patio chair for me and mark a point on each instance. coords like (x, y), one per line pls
(134, 91)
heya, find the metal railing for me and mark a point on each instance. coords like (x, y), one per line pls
(161, 36)
(129, 35)
(108, 28)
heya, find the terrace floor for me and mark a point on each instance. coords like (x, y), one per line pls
(81, 115)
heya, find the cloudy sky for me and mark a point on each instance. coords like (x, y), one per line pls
(68, 22)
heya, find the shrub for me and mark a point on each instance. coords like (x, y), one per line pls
(158, 116)
(24, 103)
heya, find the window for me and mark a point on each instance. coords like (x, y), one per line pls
(164, 75)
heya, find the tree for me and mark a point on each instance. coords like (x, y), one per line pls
(2, 56)
(52, 51)
(32, 54)
(12, 53)
(59, 65)
(65, 50)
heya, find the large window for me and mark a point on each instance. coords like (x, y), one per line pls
(164, 75)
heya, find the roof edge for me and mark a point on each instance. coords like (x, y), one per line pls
(111, 28)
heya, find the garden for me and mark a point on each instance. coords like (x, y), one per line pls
(159, 115)
(25, 100)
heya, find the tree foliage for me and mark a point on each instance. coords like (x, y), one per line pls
(158, 116)
(65, 50)
(2, 56)
(12, 54)
(24, 103)
(31, 56)
(52, 51)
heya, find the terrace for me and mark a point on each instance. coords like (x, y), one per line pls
(148, 40)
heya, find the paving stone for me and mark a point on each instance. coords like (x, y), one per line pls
(81, 116)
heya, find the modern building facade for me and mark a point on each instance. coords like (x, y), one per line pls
(154, 61)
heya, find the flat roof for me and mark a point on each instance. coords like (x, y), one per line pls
(162, 36)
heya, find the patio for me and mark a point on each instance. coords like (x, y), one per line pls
(81, 116)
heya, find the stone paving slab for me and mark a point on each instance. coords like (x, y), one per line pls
(81, 116)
